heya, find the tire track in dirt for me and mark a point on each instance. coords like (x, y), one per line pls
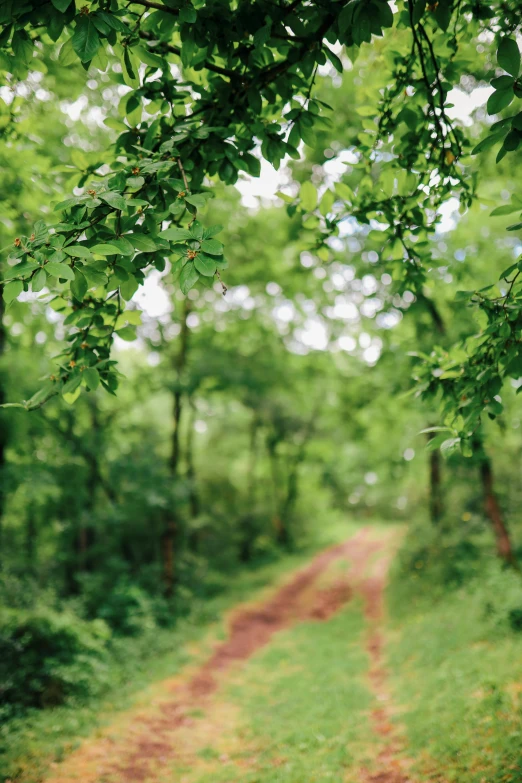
(150, 739)
(390, 765)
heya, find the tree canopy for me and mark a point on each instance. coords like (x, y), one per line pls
(210, 88)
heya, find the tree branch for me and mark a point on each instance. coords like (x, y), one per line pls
(157, 6)
(209, 66)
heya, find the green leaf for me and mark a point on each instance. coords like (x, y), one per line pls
(205, 265)
(72, 384)
(128, 333)
(67, 54)
(85, 40)
(142, 242)
(308, 196)
(188, 277)
(22, 47)
(129, 288)
(92, 378)
(196, 200)
(115, 124)
(336, 62)
(211, 231)
(71, 397)
(508, 56)
(346, 16)
(106, 249)
(486, 143)
(502, 82)
(498, 100)
(78, 251)
(59, 270)
(507, 209)
(148, 57)
(79, 285)
(130, 69)
(115, 200)
(512, 140)
(175, 234)
(212, 246)
(38, 281)
(12, 290)
(385, 13)
(61, 5)
(124, 246)
(418, 11)
(187, 14)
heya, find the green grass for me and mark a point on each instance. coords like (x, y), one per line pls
(456, 668)
(301, 709)
(29, 745)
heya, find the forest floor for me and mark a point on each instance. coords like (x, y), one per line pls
(297, 692)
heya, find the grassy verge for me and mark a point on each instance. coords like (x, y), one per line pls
(30, 745)
(456, 664)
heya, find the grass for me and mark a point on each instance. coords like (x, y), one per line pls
(297, 711)
(29, 745)
(456, 667)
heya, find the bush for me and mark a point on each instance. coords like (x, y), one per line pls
(47, 657)
(128, 610)
(436, 562)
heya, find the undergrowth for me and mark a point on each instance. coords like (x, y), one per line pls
(456, 657)
(33, 738)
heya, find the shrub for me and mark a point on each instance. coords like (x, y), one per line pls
(47, 657)
(128, 609)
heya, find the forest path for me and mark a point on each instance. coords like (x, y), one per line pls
(145, 743)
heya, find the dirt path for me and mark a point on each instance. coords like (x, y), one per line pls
(140, 747)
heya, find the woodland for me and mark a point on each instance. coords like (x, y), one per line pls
(260, 432)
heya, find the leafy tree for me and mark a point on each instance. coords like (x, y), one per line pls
(210, 84)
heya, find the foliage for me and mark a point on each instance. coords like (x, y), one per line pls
(248, 90)
(456, 660)
(46, 657)
(31, 742)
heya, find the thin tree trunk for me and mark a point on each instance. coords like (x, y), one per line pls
(30, 539)
(435, 489)
(171, 521)
(190, 474)
(191, 471)
(271, 445)
(245, 546)
(292, 484)
(492, 507)
(436, 501)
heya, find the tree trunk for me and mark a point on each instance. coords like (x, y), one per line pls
(435, 498)
(245, 545)
(492, 507)
(272, 444)
(30, 539)
(191, 472)
(292, 484)
(170, 529)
